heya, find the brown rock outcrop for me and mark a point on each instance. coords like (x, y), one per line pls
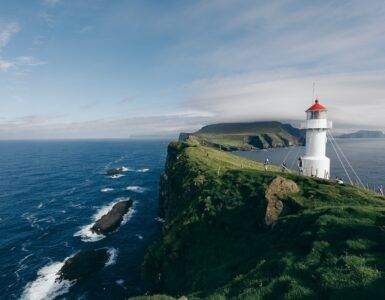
(277, 189)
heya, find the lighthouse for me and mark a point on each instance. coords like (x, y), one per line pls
(315, 163)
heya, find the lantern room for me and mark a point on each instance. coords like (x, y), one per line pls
(316, 111)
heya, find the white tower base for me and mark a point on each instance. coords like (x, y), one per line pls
(315, 166)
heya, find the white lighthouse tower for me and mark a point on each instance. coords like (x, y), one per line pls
(315, 163)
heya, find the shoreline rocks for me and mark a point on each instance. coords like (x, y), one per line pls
(112, 220)
(114, 171)
(83, 264)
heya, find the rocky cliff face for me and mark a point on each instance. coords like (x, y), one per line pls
(234, 231)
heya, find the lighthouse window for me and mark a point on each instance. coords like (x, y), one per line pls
(316, 115)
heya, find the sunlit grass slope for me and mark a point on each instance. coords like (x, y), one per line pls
(328, 242)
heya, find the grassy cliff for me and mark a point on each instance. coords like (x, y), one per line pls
(247, 136)
(234, 231)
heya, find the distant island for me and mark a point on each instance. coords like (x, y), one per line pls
(363, 134)
(248, 136)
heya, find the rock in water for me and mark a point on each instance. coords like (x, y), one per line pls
(278, 188)
(83, 264)
(114, 171)
(110, 221)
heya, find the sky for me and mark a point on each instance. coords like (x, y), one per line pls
(120, 69)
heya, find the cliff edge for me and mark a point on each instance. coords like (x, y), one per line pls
(235, 231)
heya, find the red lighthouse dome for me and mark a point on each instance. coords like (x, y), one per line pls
(316, 106)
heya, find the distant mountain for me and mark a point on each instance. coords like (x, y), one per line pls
(363, 134)
(248, 136)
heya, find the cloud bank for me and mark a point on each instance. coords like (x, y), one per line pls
(219, 60)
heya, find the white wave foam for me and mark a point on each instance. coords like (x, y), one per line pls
(85, 232)
(106, 190)
(135, 188)
(144, 170)
(160, 220)
(116, 176)
(40, 205)
(77, 205)
(127, 169)
(113, 255)
(23, 246)
(32, 220)
(47, 285)
(120, 282)
(139, 236)
(128, 215)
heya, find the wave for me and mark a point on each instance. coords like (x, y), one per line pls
(40, 205)
(113, 255)
(128, 215)
(135, 188)
(142, 170)
(106, 190)
(85, 232)
(32, 220)
(127, 169)
(120, 282)
(77, 205)
(116, 176)
(160, 220)
(47, 285)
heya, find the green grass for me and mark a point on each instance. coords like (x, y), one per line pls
(226, 140)
(329, 242)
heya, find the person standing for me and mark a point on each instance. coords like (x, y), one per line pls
(266, 164)
(381, 190)
(284, 167)
(300, 165)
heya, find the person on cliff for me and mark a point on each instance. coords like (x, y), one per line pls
(284, 167)
(266, 164)
(381, 190)
(339, 180)
(300, 165)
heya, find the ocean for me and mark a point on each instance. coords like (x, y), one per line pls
(51, 192)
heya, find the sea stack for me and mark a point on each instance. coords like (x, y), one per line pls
(112, 220)
(315, 163)
(83, 264)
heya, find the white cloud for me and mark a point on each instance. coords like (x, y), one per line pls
(28, 61)
(48, 18)
(354, 98)
(43, 126)
(6, 32)
(5, 65)
(19, 63)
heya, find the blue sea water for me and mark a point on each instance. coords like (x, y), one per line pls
(51, 190)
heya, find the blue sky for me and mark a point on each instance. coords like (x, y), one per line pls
(109, 69)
